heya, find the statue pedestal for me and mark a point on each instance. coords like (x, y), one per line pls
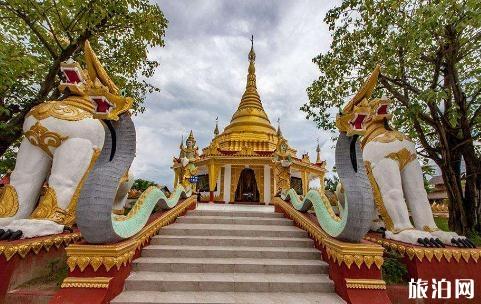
(98, 272)
(24, 260)
(355, 268)
(428, 263)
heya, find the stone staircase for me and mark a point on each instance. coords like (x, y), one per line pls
(230, 254)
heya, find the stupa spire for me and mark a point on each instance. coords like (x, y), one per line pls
(318, 151)
(251, 96)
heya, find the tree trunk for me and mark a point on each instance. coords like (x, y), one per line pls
(472, 187)
(450, 169)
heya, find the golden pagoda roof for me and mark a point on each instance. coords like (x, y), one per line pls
(249, 127)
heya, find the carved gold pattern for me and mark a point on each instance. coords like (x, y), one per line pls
(41, 137)
(390, 136)
(108, 256)
(403, 157)
(137, 207)
(8, 201)
(328, 206)
(48, 208)
(23, 247)
(378, 197)
(62, 109)
(413, 251)
(86, 282)
(339, 252)
(365, 284)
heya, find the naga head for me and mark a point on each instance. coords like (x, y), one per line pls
(94, 84)
(354, 117)
(380, 109)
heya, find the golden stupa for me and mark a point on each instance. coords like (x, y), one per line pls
(238, 163)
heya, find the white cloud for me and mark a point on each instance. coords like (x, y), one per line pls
(203, 69)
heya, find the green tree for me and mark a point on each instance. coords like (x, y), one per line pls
(142, 184)
(430, 52)
(331, 183)
(36, 36)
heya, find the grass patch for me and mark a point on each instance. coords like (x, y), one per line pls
(393, 270)
(58, 272)
(442, 223)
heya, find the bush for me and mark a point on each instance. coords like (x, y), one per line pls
(393, 270)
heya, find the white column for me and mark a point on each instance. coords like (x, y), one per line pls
(227, 178)
(217, 192)
(267, 184)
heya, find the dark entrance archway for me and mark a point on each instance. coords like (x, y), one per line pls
(247, 187)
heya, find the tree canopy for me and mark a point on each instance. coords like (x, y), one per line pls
(430, 56)
(37, 35)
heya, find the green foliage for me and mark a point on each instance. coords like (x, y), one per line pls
(430, 56)
(428, 171)
(7, 160)
(37, 35)
(331, 183)
(142, 184)
(393, 270)
(404, 37)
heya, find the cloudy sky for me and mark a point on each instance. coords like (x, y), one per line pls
(203, 70)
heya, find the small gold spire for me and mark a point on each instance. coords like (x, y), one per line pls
(216, 130)
(279, 132)
(191, 137)
(318, 151)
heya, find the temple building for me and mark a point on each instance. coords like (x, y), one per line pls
(239, 165)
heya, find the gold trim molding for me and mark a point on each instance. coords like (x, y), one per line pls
(83, 255)
(23, 247)
(412, 251)
(340, 252)
(89, 282)
(365, 284)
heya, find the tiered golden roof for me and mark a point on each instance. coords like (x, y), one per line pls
(249, 127)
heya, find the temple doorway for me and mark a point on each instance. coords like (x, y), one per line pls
(247, 187)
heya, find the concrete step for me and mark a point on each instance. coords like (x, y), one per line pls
(232, 230)
(235, 213)
(230, 265)
(252, 241)
(230, 252)
(242, 220)
(152, 297)
(228, 282)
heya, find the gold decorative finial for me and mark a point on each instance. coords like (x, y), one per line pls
(279, 132)
(252, 54)
(216, 130)
(318, 151)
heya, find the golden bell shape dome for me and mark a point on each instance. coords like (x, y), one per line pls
(249, 126)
